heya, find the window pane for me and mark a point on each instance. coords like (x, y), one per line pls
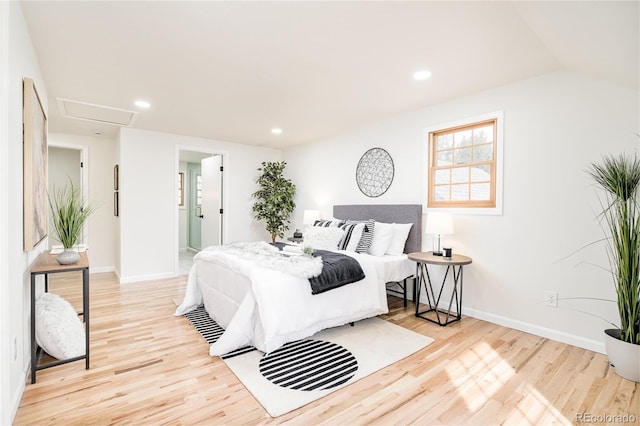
(441, 193)
(462, 156)
(480, 191)
(459, 192)
(443, 176)
(483, 153)
(462, 138)
(445, 158)
(460, 174)
(483, 134)
(481, 173)
(445, 141)
(198, 190)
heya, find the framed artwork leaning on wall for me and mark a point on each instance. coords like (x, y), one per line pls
(35, 202)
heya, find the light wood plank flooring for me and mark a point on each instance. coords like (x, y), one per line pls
(149, 367)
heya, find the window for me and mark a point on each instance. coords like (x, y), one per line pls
(198, 190)
(181, 189)
(463, 164)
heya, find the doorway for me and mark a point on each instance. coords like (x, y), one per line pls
(200, 204)
(66, 163)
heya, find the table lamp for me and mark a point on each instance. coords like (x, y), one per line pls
(439, 224)
(310, 217)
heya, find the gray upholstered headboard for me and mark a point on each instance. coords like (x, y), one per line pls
(389, 213)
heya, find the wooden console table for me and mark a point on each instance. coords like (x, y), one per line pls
(46, 264)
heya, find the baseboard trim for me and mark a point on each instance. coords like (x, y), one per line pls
(17, 396)
(581, 342)
(102, 269)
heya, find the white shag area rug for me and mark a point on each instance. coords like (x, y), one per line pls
(304, 371)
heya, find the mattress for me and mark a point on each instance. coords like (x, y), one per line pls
(396, 268)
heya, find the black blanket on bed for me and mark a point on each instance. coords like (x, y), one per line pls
(337, 270)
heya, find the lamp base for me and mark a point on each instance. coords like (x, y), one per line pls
(437, 253)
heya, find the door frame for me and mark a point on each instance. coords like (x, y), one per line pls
(223, 198)
(192, 180)
(84, 175)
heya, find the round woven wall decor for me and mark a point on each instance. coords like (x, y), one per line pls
(374, 173)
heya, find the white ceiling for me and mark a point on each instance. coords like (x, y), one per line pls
(234, 70)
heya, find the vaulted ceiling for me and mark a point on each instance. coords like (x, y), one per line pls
(234, 70)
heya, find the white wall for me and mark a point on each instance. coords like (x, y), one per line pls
(6, 389)
(148, 211)
(15, 43)
(555, 126)
(102, 226)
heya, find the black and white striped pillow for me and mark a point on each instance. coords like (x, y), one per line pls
(352, 235)
(367, 234)
(328, 223)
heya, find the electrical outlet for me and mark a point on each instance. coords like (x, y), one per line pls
(551, 298)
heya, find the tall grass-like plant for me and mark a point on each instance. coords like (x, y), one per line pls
(69, 214)
(275, 198)
(620, 178)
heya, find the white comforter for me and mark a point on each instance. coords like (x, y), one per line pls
(266, 308)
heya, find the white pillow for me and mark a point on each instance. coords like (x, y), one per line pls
(399, 237)
(59, 331)
(381, 239)
(352, 235)
(323, 238)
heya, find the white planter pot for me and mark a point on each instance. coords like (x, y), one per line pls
(624, 357)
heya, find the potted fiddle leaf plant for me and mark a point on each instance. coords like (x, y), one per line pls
(274, 202)
(69, 215)
(619, 177)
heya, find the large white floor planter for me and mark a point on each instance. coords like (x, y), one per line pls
(624, 357)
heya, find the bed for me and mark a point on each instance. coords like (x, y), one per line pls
(263, 306)
(398, 268)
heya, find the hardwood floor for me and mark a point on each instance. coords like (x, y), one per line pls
(149, 367)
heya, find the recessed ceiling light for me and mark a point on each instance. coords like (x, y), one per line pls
(276, 131)
(97, 132)
(421, 75)
(142, 104)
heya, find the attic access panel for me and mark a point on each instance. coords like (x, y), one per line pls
(96, 113)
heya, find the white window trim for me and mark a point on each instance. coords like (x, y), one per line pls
(497, 210)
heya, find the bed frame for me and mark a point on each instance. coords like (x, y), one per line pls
(389, 213)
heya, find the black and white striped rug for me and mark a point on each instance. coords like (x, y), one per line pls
(304, 371)
(211, 331)
(303, 365)
(308, 365)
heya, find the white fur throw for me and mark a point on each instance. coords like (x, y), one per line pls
(323, 238)
(59, 331)
(268, 256)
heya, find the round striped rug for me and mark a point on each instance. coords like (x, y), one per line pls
(309, 365)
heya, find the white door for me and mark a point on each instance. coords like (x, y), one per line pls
(211, 201)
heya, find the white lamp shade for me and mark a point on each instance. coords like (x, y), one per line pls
(310, 217)
(439, 223)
